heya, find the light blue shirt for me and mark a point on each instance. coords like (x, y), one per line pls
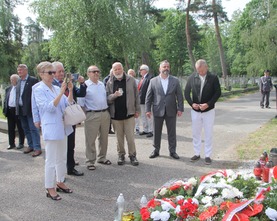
(12, 97)
(96, 97)
(164, 84)
(22, 85)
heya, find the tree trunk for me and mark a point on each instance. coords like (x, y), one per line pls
(191, 57)
(219, 41)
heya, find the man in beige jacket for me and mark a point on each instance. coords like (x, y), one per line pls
(124, 104)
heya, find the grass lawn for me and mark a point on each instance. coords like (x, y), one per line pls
(1, 114)
(259, 141)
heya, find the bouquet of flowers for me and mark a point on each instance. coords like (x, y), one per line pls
(222, 195)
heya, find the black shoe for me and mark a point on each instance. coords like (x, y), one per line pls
(208, 161)
(175, 156)
(20, 146)
(143, 133)
(121, 160)
(111, 132)
(75, 172)
(194, 158)
(150, 134)
(268, 107)
(134, 160)
(10, 147)
(154, 154)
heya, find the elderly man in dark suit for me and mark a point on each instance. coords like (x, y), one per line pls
(147, 123)
(9, 112)
(165, 95)
(24, 110)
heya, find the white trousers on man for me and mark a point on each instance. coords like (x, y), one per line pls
(147, 123)
(204, 120)
(55, 161)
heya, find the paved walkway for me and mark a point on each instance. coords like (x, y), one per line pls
(22, 177)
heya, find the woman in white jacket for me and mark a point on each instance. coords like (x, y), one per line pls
(51, 102)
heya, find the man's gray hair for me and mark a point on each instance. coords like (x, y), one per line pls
(57, 63)
(201, 62)
(144, 67)
(15, 76)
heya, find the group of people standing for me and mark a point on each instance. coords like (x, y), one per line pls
(119, 101)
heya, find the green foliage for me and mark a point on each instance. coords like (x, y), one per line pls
(252, 39)
(171, 41)
(247, 186)
(10, 39)
(96, 31)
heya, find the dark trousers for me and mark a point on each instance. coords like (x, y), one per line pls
(13, 122)
(265, 97)
(70, 150)
(171, 132)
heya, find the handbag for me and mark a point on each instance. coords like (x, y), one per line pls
(73, 114)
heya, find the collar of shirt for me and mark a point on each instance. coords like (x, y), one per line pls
(90, 82)
(25, 78)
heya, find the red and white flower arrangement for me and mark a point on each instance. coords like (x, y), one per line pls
(223, 195)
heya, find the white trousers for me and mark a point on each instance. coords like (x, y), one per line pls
(147, 123)
(55, 161)
(201, 121)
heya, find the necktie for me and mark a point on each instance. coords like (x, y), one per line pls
(140, 83)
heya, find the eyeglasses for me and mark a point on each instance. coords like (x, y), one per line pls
(94, 72)
(49, 72)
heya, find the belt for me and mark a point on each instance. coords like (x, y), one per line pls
(98, 110)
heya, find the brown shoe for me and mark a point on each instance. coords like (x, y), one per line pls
(28, 150)
(36, 153)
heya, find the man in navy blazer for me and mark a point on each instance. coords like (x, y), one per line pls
(9, 112)
(24, 110)
(165, 96)
(77, 92)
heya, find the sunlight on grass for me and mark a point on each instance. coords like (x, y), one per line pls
(259, 141)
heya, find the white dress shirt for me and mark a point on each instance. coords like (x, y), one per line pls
(12, 97)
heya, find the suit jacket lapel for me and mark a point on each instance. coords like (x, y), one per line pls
(159, 83)
(171, 84)
(48, 91)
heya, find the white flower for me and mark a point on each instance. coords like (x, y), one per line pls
(156, 192)
(230, 173)
(155, 215)
(206, 200)
(178, 209)
(211, 191)
(271, 213)
(211, 180)
(179, 198)
(218, 201)
(222, 181)
(164, 215)
(163, 191)
(166, 206)
(194, 200)
(231, 193)
(192, 181)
